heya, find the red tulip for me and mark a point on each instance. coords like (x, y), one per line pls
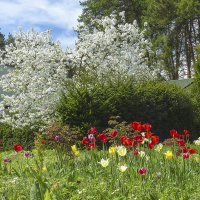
(103, 137)
(91, 146)
(136, 126)
(155, 139)
(150, 145)
(181, 143)
(193, 151)
(148, 134)
(113, 133)
(186, 155)
(136, 153)
(85, 141)
(146, 127)
(138, 138)
(92, 130)
(18, 147)
(142, 171)
(173, 133)
(126, 141)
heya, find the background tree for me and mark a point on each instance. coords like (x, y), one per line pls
(174, 28)
(2, 41)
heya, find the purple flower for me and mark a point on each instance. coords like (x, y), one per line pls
(6, 160)
(91, 138)
(57, 138)
(27, 154)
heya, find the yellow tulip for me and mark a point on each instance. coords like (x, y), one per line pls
(121, 150)
(112, 150)
(169, 155)
(75, 151)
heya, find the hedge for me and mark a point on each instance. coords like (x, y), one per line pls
(164, 105)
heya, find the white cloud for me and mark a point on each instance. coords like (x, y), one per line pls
(61, 14)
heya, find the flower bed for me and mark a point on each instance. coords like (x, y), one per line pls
(125, 162)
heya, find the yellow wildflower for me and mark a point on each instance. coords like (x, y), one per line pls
(112, 150)
(44, 169)
(121, 150)
(168, 155)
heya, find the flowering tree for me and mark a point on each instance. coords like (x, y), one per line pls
(41, 66)
(113, 45)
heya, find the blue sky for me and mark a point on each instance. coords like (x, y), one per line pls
(58, 15)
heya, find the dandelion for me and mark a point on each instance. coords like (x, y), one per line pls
(123, 168)
(121, 150)
(112, 150)
(104, 163)
(168, 155)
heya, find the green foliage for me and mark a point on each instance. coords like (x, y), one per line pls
(93, 103)
(10, 136)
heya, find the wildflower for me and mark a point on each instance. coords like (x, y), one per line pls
(114, 133)
(169, 155)
(158, 174)
(121, 150)
(104, 163)
(18, 147)
(44, 169)
(147, 158)
(159, 147)
(42, 142)
(141, 154)
(142, 171)
(57, 138)
(136, 153)
(27, 154)
(103, 137)
(123, 168)
(6, 160)
(137, 126)
(112, 150)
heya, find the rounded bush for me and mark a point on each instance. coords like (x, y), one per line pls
(162, 104)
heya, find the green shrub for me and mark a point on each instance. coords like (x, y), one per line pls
(10, 136)
(93, 102)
